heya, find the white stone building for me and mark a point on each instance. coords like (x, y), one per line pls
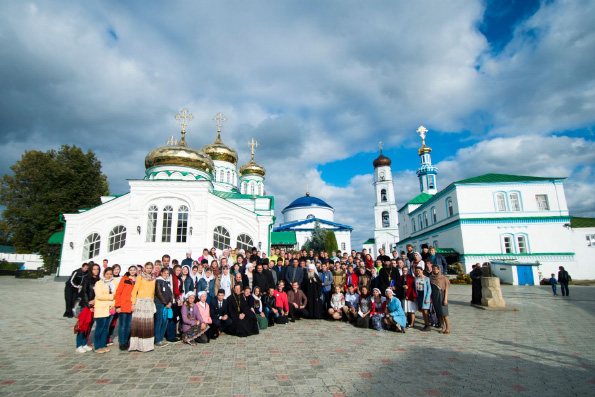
(301, 215)
(188, 198)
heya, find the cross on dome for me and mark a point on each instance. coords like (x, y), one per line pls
(381, 145)
(219, 118)
(182, 117)
(252, 144)
(422, 133)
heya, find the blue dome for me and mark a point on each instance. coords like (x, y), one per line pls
(307, 201)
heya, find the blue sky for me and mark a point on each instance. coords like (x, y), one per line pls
(502, 86)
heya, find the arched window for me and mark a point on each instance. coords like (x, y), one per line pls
(245, 242)
(168, 213)
(152, 223)
(385, 219)
(421, 225)
(515, 202)
(243, 190)
(221, 238)
(434, 216)
(412, 225)
(117, 238)
(425, 219)
(182, 227)
(91, 246)
(431, 181)
(220, 176)
(228, 177)
(251, 187)
(501, 202)
(449, 208)
(383, 195)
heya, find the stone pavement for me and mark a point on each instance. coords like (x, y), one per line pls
(546, 348)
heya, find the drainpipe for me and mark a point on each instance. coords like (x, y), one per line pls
(62, 221)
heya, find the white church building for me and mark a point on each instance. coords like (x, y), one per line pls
(520, 222)
(300, 217)
(188, 198)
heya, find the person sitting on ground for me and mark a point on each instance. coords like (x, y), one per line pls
(281, 302)
(255, 303)
(244, 320)
(297, 303)
(193, 329)
(351, 301)
(219, 316)
(336, 304)
(395, 317)
(204, 315)
(378, 309)
(364, 309)
(268, 306)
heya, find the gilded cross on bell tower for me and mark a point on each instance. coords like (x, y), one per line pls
(252, 144)
(182, 117)
(422, 133)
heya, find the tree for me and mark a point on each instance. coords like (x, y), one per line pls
(43, 186)
(330, 242)
(317, 239)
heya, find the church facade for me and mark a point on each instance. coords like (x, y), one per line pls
(188, 199)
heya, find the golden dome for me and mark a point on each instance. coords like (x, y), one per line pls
(220, 151)
(381, 160)
(252, 168)
(424, 149)
(179, 154)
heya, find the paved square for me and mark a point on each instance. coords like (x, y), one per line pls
(546, 348)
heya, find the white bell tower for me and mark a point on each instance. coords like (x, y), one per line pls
(386, 231)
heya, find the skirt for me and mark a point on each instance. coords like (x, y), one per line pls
(420, 302)
(142, 327)
(409, 306)
(378, 322)
(437, 300)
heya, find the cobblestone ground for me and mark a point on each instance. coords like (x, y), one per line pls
(546, 348)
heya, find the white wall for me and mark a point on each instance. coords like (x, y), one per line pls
(31, 261)
(301, 213)
(584, 268)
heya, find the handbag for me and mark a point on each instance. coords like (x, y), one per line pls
(170, 313)
(282, 320)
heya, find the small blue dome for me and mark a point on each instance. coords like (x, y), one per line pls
(307, 201)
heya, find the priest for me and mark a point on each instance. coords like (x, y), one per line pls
(313, 292)
(244, 319)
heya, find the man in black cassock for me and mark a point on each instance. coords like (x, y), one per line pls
(313, 292)
(476, 274)
(244, 320)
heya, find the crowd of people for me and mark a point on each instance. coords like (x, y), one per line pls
(239, 293)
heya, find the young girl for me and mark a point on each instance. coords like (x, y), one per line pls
(104, 309)
(192, 327)
(410, 300)
(207, 284)
(142, 329)
(87, 303)
(377, 314)
(424, 291)
(337, 302)
(124, 306)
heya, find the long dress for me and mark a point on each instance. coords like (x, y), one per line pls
(396, 312)
(241, 327)
(313, 292)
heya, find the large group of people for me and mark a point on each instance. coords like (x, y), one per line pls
(239, 293)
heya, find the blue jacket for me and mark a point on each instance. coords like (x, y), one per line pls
(440, 261)
(294, 274)
(327, 280)
(427, 292)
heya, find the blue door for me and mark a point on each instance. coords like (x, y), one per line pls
(525, 275)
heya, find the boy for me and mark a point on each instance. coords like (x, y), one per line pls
(554, 284)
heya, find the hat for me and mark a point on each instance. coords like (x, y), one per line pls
(188, 251)
(376, 289)
(420, 267)
(424, 246)
(201, 293)
(388, 290)
(187, 295)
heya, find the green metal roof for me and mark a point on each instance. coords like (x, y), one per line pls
(576, 222)
(491, 178)
(420, 199)
(370, 241)
(56, 238)
(283, 238)
(7, 249)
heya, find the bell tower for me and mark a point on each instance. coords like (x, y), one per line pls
(386, 231)
(426, 172)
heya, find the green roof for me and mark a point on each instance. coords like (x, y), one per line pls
(232, 195)
(446, 251)
(370, 241)
(491, 178)
(283, 238)
(576, 222)
(7, 249)
(56, 238)
(420, 199)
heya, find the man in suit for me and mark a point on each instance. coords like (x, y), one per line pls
(219, 315)
(294, 274)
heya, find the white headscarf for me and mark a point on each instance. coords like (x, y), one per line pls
(248, 266)
(187, 295)
(312, 267)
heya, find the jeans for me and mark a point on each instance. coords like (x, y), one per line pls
(326, 299)
(82, 338)
(101, 329)
(71, 294)
(160, 323)
(564, 288)
(269, 313)
(124, 321)
(555, 289)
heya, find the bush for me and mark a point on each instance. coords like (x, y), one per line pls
(462, 279)
(5, 265)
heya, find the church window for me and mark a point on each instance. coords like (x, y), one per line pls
(521, 241)
(382, 176)
(245, 242)
(244, 188)
(431, 181)
(425, 219)
(383, 195)
(449, 208)
(182, 227)
(251, 187)
(515, 202)
(168, 213)
(413, 225)
(228, 177)
(385, 219)
(152, 224)
(91, 246)
(343, 247)
(421, 225)
(507, 244)
(501, 202)
(117, 238)
(542, 202)
(590, 240)
(221, 238)
(220, 176)
(434, 216)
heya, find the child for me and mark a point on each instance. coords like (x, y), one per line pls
(554, 284)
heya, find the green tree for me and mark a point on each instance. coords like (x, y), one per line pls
(330, 242)
(43, 186)
(316, 241)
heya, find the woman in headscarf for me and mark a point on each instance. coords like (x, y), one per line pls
(395, 316)
(192, 328)
(255, 303)
(440, 285)
(248, 274)
(417, 261)
(378, 308)
(364, 308)
(207, 284)
(424, 291)
(142, 328)
(105, 308)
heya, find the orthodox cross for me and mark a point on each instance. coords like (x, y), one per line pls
(252, 144)
(171, 141)
(422, 132)
(219, 118)
(182, 117)
(380, 145)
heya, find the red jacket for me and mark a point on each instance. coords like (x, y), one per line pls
(123, 298)
(410, 293)
(281, 300)
(350, 279)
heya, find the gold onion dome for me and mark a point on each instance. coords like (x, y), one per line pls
(252, 168)
(422, 133)
(220, 151)
(424, 149)
(381, 160)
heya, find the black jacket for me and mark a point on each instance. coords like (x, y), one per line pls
(269, 301)
(214, 308)
(261, 280)
(76, 279)
(280, 272)
(163, 293)
(88, 291)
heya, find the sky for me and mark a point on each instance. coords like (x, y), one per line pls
(502, 86)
